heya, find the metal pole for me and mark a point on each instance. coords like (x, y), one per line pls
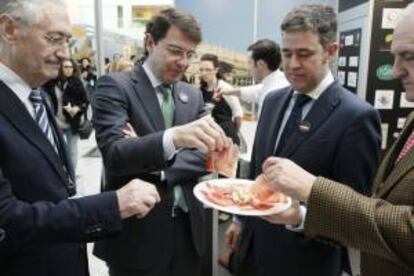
(100, 66)
(255, 4)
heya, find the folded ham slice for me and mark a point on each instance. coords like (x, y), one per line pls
(224, 162)
(259, 196)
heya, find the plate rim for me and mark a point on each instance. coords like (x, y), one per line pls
(223, 181)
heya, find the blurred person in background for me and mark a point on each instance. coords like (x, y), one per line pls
(108, 65)
(225, 71)
(226, 111)
(264, 63)
(122, 64)
(69, 102)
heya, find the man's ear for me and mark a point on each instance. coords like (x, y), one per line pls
(149, 42)
(9, 29)
(261, 64)
(332, 50)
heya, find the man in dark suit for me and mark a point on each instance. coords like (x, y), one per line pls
(381, 226)
(319, 125)
(156, 104)
(42, 232)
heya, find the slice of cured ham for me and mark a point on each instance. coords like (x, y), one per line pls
(258, 196)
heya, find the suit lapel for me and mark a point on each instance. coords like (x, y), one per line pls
(17, 114)
(148, 97)
(390, 173)
(274, 122)
(319, 112)
(181, 100)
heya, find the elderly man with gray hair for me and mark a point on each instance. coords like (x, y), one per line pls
(42, 231)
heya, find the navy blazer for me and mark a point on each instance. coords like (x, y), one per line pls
(42, 232)
(129, 97)
(342, 143)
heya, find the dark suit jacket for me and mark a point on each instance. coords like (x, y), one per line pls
(382, 227)
(40, 229)
(130, 97)
(342, 143)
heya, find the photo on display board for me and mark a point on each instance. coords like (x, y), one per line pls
(404, 103)
(389, 17)
(342, 61)
(353, 61)
(401, 122)
(384, 99)
(341, 77)
(352, 79)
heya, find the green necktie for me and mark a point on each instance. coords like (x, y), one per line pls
(167, 108)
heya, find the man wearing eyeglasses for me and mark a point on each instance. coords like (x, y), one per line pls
(163, 112)
(42, 232)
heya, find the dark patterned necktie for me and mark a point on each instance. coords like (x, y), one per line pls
(41, 117)
(293, 121)
(408, 145)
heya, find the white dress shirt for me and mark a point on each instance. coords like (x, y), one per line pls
(232, 101)
(19, 87)
(167, 139)
(257, 93)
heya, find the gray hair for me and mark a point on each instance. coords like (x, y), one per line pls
(320, 19)
(26, 12)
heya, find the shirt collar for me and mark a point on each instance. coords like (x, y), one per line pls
(270, 78)
(323, 85)
(155, 82)
(15, 82)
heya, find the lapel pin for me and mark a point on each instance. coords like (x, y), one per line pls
(304, 126)
(183, 97)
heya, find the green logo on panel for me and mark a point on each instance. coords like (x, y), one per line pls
(384, 72)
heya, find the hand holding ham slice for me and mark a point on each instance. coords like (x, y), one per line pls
(224, 162)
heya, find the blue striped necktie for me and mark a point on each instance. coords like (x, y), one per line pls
(41, 117)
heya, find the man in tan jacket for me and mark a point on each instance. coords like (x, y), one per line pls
(381, 226)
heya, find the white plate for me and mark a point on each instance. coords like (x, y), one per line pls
(277, 208)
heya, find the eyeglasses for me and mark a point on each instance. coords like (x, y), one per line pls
(67, 66)
(207, 70)
(179, 52)
(57, 39)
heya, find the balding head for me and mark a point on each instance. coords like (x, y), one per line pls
(403, 50)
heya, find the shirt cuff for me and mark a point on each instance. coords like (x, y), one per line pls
(302, 210)
(168, 145)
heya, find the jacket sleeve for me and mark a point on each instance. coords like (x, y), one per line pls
(28, 224)
(111, 114)
(357, 156)
(372, 225)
